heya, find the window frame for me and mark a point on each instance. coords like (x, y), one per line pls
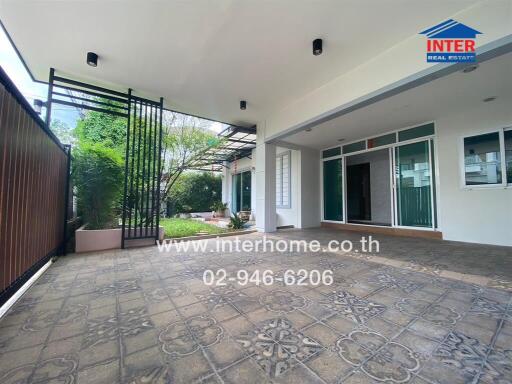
(397, 141)
(279, 204)
(462, 164)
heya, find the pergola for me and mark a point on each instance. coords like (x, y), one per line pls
(235, 143)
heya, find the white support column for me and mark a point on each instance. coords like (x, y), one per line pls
(226, 184)
(308, 184)
(309, 188)
(265, 187)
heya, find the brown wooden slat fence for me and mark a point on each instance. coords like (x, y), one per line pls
(33, 179)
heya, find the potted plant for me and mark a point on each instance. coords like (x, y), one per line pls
(236, 222)
(219, 208)
(98, 177)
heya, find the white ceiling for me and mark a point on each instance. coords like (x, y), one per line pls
(427, 102)
(204, 56)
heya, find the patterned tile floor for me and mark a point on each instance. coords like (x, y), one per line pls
(140, 316)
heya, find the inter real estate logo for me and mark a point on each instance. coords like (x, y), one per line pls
(451, 42)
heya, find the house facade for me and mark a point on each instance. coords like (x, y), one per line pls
(399, 145)
(398, 123)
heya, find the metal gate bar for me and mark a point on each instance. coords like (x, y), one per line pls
(141, 202)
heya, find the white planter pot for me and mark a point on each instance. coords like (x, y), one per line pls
(89, 240)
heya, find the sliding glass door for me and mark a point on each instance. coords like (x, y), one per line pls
(245, 203)
(384, 180)
(414, 187)
(333, 189)
(241, 200)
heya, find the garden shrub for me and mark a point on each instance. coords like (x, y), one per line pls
(98, 177)
(194, 192)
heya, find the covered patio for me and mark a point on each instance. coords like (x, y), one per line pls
(304, 112)
(143, 316)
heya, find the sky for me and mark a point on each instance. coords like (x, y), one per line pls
(17, 72)
(31, 90)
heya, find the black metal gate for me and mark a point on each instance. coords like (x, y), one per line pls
(141, 202)
(141, 198)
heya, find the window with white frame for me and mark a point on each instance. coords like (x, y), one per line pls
(283, 180)
(488, 158)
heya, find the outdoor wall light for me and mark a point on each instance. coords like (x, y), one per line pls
(38, 105)
(92, 59)
(243, 105)
(317, 47)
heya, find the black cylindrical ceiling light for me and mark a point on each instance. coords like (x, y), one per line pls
(243, 105)
(317, 47)
(92, 59)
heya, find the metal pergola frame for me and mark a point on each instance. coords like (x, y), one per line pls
(235, 143)
(73, 93)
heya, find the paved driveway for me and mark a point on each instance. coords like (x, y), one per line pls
(141, 316)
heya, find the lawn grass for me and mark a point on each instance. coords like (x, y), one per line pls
(188, 227)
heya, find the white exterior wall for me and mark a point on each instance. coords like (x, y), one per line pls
(290, 216)
(479, 215)
(304, 197)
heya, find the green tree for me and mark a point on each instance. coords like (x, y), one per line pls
(98, 177)
(185, 138)
(98, 167)
(195, 192)
(63, 132)
(98, 127)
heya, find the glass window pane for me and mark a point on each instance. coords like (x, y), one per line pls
(482, 159)
(390, 138)
(331, 152)
(354, 147)
(246, 191)
(283, 180)
(333, 190)
(413, 185)
(414, 133)
(237, 182)
(285, 189)
(434, 192)
(508, 155)
(279, 191)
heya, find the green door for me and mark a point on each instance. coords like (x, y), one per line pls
(237, 196)
(333, 190)
(241, 200)
(246, 191)
(413, 171)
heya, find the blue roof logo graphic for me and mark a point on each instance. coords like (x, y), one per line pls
(450, 29)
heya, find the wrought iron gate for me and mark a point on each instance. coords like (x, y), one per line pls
(141, 202)
(141, 198)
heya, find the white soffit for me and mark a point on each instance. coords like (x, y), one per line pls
(205, 56)
(457, 91)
